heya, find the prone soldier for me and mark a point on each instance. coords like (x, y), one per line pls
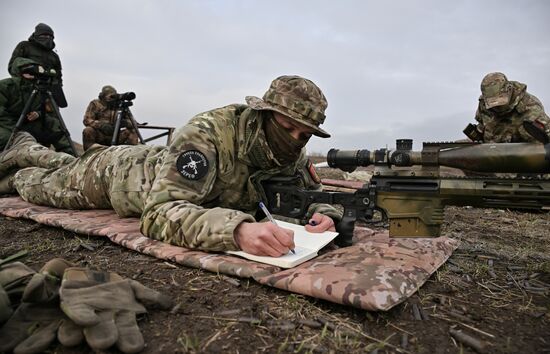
(211, 204)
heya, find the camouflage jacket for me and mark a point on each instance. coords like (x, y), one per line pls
(508, 128)
(98, 112)
(205, 185)
(45, 57)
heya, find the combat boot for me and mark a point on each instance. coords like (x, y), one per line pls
(27, 152)
(6, 183)
(8, 157)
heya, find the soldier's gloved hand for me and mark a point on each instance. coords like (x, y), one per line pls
(31, 116)
(106, 305)
(38, 320)
(107, 128)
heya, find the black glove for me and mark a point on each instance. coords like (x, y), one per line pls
(472, 132)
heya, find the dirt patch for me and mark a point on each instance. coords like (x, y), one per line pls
(495, 289)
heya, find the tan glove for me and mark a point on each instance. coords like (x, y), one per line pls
(37, 321)
(106, 305)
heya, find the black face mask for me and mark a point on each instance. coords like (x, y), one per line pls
(45, 42)
(285, 148)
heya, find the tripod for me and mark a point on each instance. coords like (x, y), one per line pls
(122, 112)
(42, 87)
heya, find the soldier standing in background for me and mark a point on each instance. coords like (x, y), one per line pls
(99, 120)
(39, 48)
(40, 121)
(503, 108)
(202, 191)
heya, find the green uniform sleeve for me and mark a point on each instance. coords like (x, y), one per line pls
(175, 211)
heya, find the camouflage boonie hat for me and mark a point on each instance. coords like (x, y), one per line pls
(495, 90)
(297, 98)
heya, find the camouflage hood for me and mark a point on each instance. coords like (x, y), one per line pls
(518, 92)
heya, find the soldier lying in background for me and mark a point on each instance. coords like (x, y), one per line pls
(203, 190)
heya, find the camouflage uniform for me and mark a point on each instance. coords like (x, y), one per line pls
(41, 51)
(196, 191)
(503, 107)
(14, 93)
(99, 120)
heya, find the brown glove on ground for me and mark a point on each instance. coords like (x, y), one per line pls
(106, 305)
(37, 321)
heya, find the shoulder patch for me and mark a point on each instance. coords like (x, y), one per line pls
(312, 172)
(192, 164)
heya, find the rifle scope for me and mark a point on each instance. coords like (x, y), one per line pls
(489, 157)
(126, 96)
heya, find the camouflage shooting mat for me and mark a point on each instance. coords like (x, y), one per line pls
(376, 273)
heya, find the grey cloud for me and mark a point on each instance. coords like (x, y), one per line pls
(389, 69)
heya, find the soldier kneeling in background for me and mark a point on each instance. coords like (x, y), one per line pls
(100, 119)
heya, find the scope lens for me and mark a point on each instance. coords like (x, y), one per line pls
(348, 160)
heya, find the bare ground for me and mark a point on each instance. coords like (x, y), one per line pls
(493, 296)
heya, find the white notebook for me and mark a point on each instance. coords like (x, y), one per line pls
(307, 244)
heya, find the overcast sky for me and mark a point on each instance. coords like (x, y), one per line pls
(389, 69)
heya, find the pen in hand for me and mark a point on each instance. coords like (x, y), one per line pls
(270, 217)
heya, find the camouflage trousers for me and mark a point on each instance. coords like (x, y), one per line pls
(102, 178)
